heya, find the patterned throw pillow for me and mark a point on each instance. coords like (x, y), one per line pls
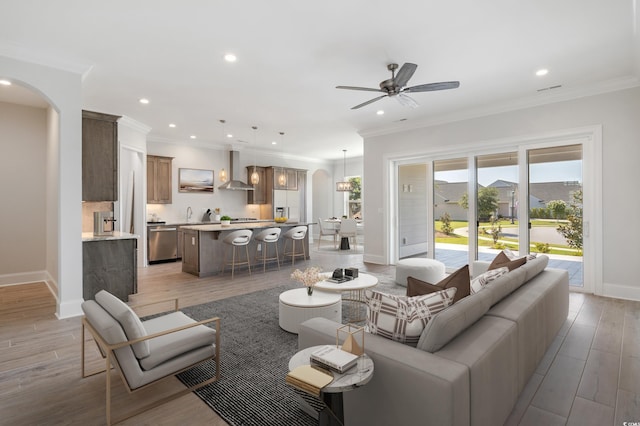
(512, 256)
(403, 318)
(479, 282)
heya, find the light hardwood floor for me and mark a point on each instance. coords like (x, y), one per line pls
(590, 375)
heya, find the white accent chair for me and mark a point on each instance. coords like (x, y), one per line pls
(297, 233)
(326, 231)
(237, 239)
(145, 352)
(349, 229)
(269, 236)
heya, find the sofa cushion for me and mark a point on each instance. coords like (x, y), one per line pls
(534, 266)
(459, 279)
(163, 348)
(485, 278)
(128, 319)
(403, 318)
(452, 321)
(501, 260)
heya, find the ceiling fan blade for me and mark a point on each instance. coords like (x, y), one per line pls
(433, 86)
(406, 100)
(366, 89)
(369, 102)
(404, 74)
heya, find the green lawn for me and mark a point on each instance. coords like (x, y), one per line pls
(487, 241)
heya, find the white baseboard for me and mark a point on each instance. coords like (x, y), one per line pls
(24, 278)
(69, 309)
(620, 291)
(412, 249)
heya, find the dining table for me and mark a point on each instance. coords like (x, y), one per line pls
(344, 241)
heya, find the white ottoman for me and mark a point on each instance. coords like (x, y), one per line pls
(429, 270)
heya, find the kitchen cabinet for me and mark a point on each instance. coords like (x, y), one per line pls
(259, 194)
(99, 156)
(180, 241)
(159, 179)
(291, 178)
(191, 252)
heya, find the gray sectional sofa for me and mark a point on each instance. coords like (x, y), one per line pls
(473, 359)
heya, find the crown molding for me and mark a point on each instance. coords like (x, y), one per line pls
(20, 53)
(134, 124)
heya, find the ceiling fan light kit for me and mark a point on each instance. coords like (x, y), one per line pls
(396, 86)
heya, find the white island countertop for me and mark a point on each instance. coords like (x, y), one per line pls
(116, 235)
(256, 224)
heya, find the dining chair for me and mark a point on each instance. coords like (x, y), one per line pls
(326, 231)
(348, 229)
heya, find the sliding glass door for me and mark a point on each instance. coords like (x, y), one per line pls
(496, 203)
(450, 211)
(555, 207)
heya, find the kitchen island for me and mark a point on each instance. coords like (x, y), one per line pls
(109, 262)
(203, 250)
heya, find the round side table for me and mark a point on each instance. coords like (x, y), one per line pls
(359, 375)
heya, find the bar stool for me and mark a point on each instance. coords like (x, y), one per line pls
(268, 236)
(297, 233)
(236, 239)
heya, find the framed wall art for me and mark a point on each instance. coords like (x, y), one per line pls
(195, 180)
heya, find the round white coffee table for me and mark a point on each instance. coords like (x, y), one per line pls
(353, 291)
(296, 306)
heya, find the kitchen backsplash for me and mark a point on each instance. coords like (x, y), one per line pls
(88, 207)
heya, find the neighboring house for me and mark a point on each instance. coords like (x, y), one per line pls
(448, 194)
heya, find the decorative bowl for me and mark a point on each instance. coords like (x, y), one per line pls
(280, 219)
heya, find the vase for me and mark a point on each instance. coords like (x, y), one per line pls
(309, 290)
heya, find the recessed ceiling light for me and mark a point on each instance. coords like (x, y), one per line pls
(144, 101)
(274, 143)
(542, 72)
(229, 135)
(192, 136)
(380, 112)
(172, 125)
(230, 57)
(5, 82)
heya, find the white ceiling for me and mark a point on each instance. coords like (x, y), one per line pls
(292, 54)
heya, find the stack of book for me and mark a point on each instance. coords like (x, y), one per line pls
(309, 379)
(333, 358)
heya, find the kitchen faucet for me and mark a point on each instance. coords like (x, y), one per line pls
(189, 213)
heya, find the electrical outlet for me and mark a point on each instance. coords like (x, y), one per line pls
(193, 241)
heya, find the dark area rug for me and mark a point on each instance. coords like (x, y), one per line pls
(254, 357)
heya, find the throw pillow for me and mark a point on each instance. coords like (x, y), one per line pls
(479, 282)
(502, 260)
(512, 256)
(403, 318)
(128, 319)
(459, 279)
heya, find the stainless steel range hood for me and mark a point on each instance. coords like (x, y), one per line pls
(234, 183)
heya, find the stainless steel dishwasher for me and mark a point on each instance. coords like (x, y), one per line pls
(163, 243)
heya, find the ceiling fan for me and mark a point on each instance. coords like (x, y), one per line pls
(396, 86)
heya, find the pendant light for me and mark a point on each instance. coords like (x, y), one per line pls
(223, 174)
(345, 185)
(255, 177)
(282, 178)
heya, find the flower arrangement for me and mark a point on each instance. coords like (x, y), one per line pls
(308, 278)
